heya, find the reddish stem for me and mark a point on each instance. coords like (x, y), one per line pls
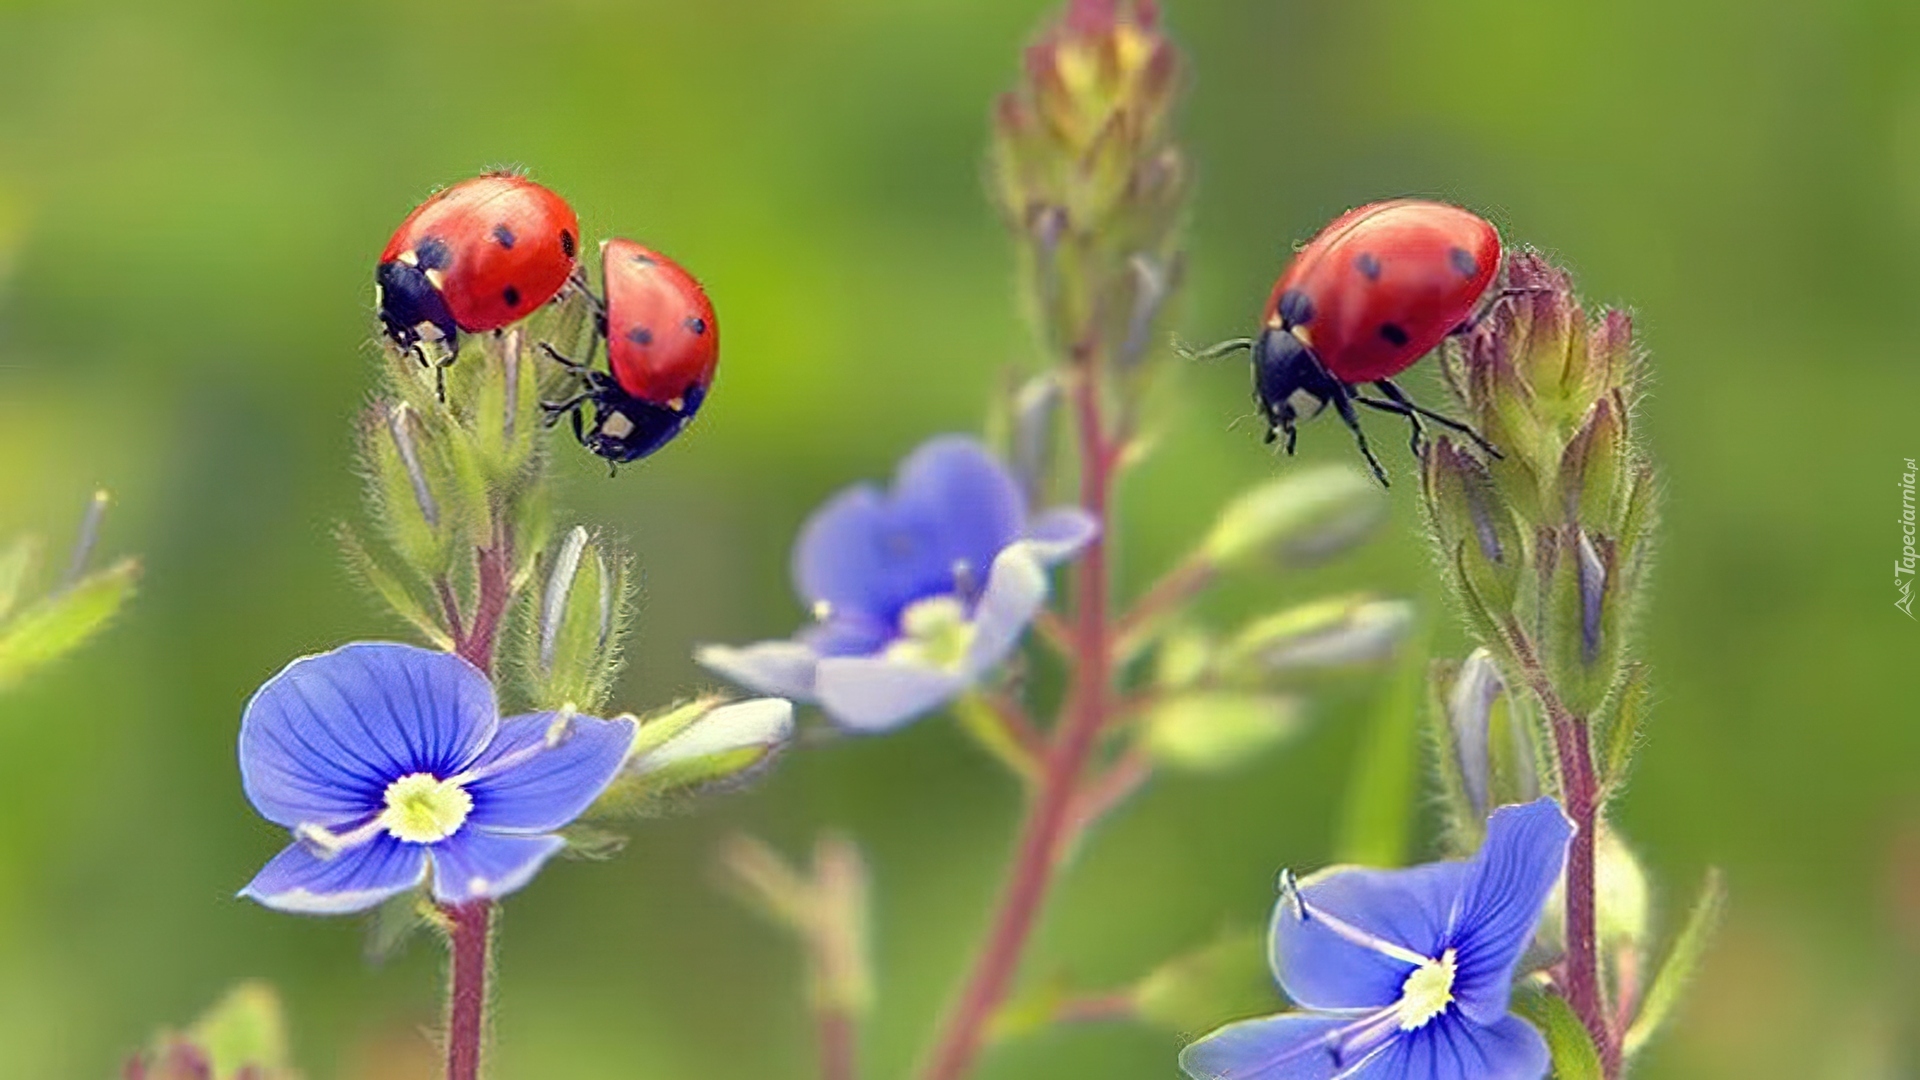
(839, 1056)
(1573, 747)
(469, 938)
(490, 564)
(1050, 818)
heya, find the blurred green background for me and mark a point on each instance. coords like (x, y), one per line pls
(193, 193)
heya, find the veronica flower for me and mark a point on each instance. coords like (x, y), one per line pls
(917, 592)
(1405, 974)
(389, 760)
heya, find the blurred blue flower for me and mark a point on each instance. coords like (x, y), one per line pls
(387, 759)
(1405, 973)
(917, 592)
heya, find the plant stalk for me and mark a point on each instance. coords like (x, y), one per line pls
(1050, 816)
(469, 933)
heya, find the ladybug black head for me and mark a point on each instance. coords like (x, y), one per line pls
(411, 308)
(1289, 382)
(627, 428)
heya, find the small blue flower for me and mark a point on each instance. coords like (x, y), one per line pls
(917, 592)
(385, 760)
(1405, 973)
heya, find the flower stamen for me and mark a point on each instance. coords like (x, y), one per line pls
(424, 809)
(1427, 992)
(1290, 892)
(934, 632)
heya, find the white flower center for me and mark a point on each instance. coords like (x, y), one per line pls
(422, 808)
(1427, 992)
(934, 632)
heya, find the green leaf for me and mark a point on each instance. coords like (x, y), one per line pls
(410, 602)
(1209, 731)
(1574, 1056)
(15, 563)
(1619, 723)
(1691, 944)
(50, 628)
(1225, 980)
(1383, 794)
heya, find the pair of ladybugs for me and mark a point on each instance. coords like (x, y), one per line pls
(1371, 294)
(490, 251)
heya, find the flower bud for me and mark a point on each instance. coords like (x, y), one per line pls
(1338, 632)
(1473, 525)
(1036, 407)
(1594, 465)
(576, 652)
(243, 1036)
(1301, 517)
(697, 747)
(1208, 731)
(1489, 739)
(1581, 643)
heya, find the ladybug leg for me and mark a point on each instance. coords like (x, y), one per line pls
(1492, 301)
(567, 362)
(1343, 401)
(556, 409)
(1415, 411)
(1213, 352)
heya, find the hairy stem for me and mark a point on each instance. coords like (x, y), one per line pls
(1050, 818)
(469, 939)
(1573, 748)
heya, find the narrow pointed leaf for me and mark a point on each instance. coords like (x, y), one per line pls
(50, 628)
(1574, 1056)
(1682, 960)
(1383, 794)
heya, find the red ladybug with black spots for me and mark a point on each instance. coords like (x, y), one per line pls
(480, 255)
(663, 345)
(1375, 291)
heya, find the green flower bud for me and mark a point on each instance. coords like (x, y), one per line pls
(1337, 632)
(696, 747)
(1594, 465)
(1302, 517)
(575, 651)
(1207, 731)
(1473, 525)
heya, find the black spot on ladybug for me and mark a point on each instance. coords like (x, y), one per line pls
(1368, 265)
(432, 253)
(640, 335)
(1394, 333)
(503, 236)
(1463, 262)
(1295, 308)
(566, 243)
(511, 295)
(696, 324)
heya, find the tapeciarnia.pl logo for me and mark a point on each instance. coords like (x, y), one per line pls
(1903, 566)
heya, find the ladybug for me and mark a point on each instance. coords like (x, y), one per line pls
(663, 345)
(1375, 291)
(477, 256)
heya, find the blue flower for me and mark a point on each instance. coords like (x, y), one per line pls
(917, 592)
(1405, 973)
(385, 760)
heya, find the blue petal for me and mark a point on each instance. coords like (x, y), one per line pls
(1016, 589)
(1320, 969)
(297, 880)
(1454, 1048)
(551, 788)
(473, 864)
(872, 694)
(1291, 1046)
(1061, 532)
(781, 668)
(952, 507)
(320, 741)
(848, 633)
(965, 494)
(1500, 905)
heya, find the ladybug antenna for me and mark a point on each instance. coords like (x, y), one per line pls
(1212, 352)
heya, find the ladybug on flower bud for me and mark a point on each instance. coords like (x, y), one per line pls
(480, 255)
(663, 345)
(1375, 291)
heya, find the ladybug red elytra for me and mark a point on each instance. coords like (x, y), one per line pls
(663, 345)
(477, 256)
(1375, 291)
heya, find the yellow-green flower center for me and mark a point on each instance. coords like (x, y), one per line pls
(1427, 992)
(934, 632)
(422, 808)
